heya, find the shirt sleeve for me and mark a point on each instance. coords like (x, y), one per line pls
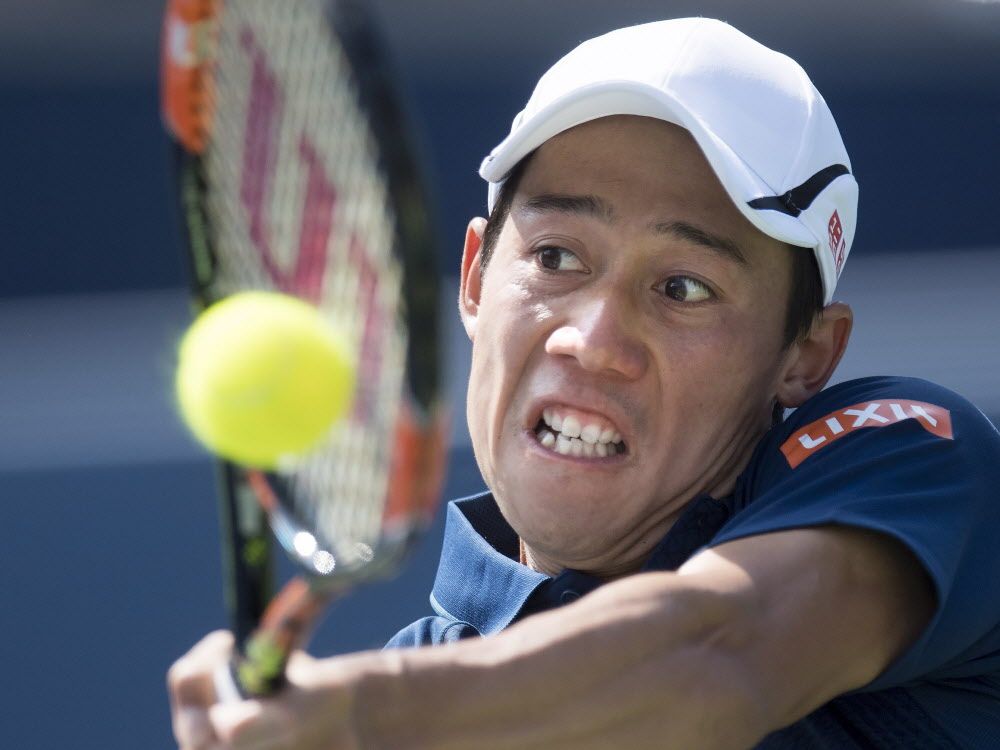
(911, 460)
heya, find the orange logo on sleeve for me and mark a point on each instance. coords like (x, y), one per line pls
(811, 438)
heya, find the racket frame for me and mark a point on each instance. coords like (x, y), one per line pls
(266, 634)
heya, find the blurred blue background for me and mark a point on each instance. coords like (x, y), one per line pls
(108, 535)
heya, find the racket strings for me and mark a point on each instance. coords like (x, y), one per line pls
(299, 204)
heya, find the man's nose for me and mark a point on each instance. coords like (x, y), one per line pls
(602, 338)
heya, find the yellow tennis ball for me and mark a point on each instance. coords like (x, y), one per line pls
(262, 377)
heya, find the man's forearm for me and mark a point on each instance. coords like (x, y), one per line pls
(745, 638)
(647, 661)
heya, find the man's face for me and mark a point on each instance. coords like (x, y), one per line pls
(629, 300)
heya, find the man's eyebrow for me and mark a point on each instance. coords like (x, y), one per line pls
(598, 208)
(690, 233)
(587, 205)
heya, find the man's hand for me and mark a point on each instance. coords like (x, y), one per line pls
(312, 712)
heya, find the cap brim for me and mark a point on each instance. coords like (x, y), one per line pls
(624, 97)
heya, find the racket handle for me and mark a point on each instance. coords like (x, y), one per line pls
(256, 675)
(258, 668)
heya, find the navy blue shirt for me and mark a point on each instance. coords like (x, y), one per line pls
(899, 456)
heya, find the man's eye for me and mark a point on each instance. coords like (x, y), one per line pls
(686, 289)
(558, 259)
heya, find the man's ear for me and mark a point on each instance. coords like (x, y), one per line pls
(470, 286)
(812, 359)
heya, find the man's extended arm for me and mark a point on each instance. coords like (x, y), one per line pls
(744, 639)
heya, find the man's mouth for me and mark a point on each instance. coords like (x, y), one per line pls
(572, 433)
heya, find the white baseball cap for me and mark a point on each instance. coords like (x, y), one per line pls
(764, 128)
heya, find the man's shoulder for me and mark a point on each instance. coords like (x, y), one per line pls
(874, 425)
(913, 409)
(884, 389)
(907, 459)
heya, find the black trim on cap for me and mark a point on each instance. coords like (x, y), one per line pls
(798, 199)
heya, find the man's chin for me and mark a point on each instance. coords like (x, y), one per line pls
(551, 506)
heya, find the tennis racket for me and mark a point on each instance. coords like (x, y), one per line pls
(294, 174)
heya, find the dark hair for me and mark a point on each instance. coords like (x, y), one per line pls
(805, 301)
(501, 210)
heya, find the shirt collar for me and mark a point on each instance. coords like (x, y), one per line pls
(481, 581)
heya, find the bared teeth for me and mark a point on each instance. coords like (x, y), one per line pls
(569, 436)
(568, 446)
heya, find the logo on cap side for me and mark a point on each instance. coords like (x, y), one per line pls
(837, 244)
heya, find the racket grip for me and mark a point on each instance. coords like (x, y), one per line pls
(251, 676)
(258, 667)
